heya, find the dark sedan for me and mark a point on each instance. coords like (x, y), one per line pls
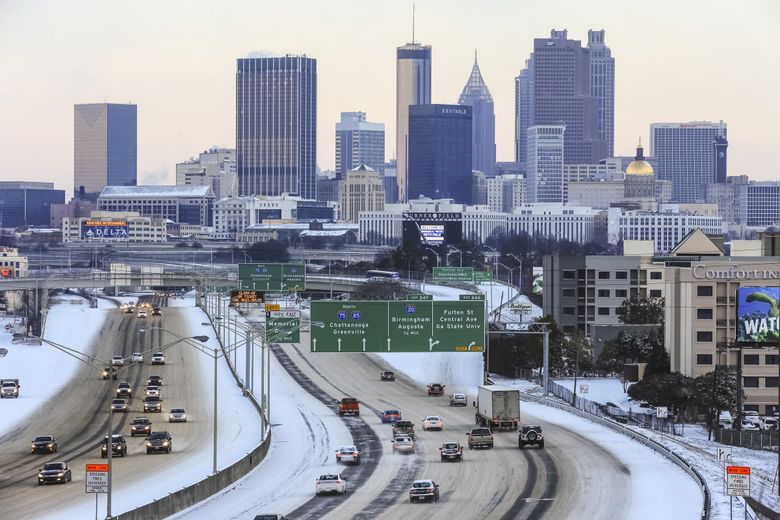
(54, 472)
(44, 444)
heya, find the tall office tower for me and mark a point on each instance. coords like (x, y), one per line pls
(440, 152)
(105, 147)
(483, 120)
(544, 168)
(412, 87)
(602, 86)
(359, 142)
(276, 126)
(557, 79)
(689, 155)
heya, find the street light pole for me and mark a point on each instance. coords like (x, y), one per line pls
(109, 450)
(214, 466)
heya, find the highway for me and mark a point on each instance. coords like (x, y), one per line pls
(78, 418)
(570, 478)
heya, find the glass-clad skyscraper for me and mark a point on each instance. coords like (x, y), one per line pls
(359, 142)
(483, 140)
(413, 87)
(276, 126)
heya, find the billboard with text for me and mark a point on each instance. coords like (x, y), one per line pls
(758, 314)
(104, 230)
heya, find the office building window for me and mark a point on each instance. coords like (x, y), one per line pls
(603, 293)
(603, 275)
(655, 293)
(621, 275)
(750, 359)
(703, 359)
(620, 293)
(569, 293)
(704, 314)
(750, 382)
(568, 311)
(704, 290)
(603, 311)
(770, 382)
(704, 335)
(771, 359)
(568, 275)
(655, 275)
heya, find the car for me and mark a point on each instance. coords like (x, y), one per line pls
(451, 451)
(387, 375)
(391, 416)
(137, 357)
(177, 415)
(108, 373)
(459, 400)
(44, 444)
(154, 380)
(348, 453)
(118, 446)
(140, 426)
(403, 429)
(768, 423)
(751, 416)
(329, 484)
(124, 389)
(152, 403)
(129, 309)
(117, 361)
(403, 444)
(152, 390)
(158, 358)
(159, 441)
(424, 490)
(480, 437)
(142, 314)
(435, 389)
(54, 472)
(530, 434)
(118, 405)
(432, 422)
(156, 311)
(749, 426)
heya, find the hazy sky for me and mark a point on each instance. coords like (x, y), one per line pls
(676, 60)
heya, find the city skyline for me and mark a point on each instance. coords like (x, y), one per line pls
(184, 87)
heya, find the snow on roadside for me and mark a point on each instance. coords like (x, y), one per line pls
(42, 369)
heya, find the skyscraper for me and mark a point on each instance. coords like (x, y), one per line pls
(276, 126)
(483, 120)
(691, 155)
(557, 88)
(602, 86)
(546, 148)
(412, 87)
(105, 147)
(359, 142)
(440, 152)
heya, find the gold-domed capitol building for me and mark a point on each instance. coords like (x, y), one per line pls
(640, 177)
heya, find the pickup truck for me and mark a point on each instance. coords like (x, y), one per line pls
(480, 438)
(9, 388)
(349, 405)
(403, 429)
(435, 389)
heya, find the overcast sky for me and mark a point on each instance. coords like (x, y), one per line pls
(675, 61)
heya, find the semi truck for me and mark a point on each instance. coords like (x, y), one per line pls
(498, 407)
(9, 388)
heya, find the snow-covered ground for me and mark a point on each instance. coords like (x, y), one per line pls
(42, 369)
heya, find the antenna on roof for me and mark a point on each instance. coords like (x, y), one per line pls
(413, 9)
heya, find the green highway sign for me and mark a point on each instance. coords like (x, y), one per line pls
(398, 326)
(272, 277)
(453, 274)
(283, 326)
(471, 297)
(483, 276)
(418, 297)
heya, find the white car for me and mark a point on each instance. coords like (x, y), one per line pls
(769, 423)
(118, 405)
(137, 357)
(459, 400)
(432, 422)
(749, 426)
(152, 391)
(348, 454)
(117, 361)
(177, 415)
(158, 358)
(403, 444)
(330, 484)
(143, 314)
(752, 417)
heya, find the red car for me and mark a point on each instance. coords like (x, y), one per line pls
(391, 416)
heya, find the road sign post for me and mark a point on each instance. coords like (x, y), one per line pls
(738, 481)
(272, 277)
(398, 326)
(96, 481)
(283, 326)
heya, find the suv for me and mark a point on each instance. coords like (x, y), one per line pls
(117, 361)
(451, 451)
(459, 400)
(118, 446)
(108, 372)
(387, 375)
(44, 443)
(137, 357)
(156, 311)
(403, 429)
(159, 441)
(154, 381)
(118, 405)
(140, 426)
(424, 490)
(152, 390)
(124, 389)
(152, 403)
(435, 389)
(530, 434)
(349, 405)
(158, 358)
(480, 438)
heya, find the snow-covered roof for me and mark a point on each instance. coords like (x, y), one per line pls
(326, 232)
(157, 191)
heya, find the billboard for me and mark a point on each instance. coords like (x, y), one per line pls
(432, 229)
(237, 296)
(758, 314)
(104, 230)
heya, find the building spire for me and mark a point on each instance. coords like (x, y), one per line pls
(413, 9)
(475, 57)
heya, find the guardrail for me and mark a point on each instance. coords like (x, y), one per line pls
(192, 494)
(653, 445)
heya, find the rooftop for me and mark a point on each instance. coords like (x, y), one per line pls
(157, 191)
